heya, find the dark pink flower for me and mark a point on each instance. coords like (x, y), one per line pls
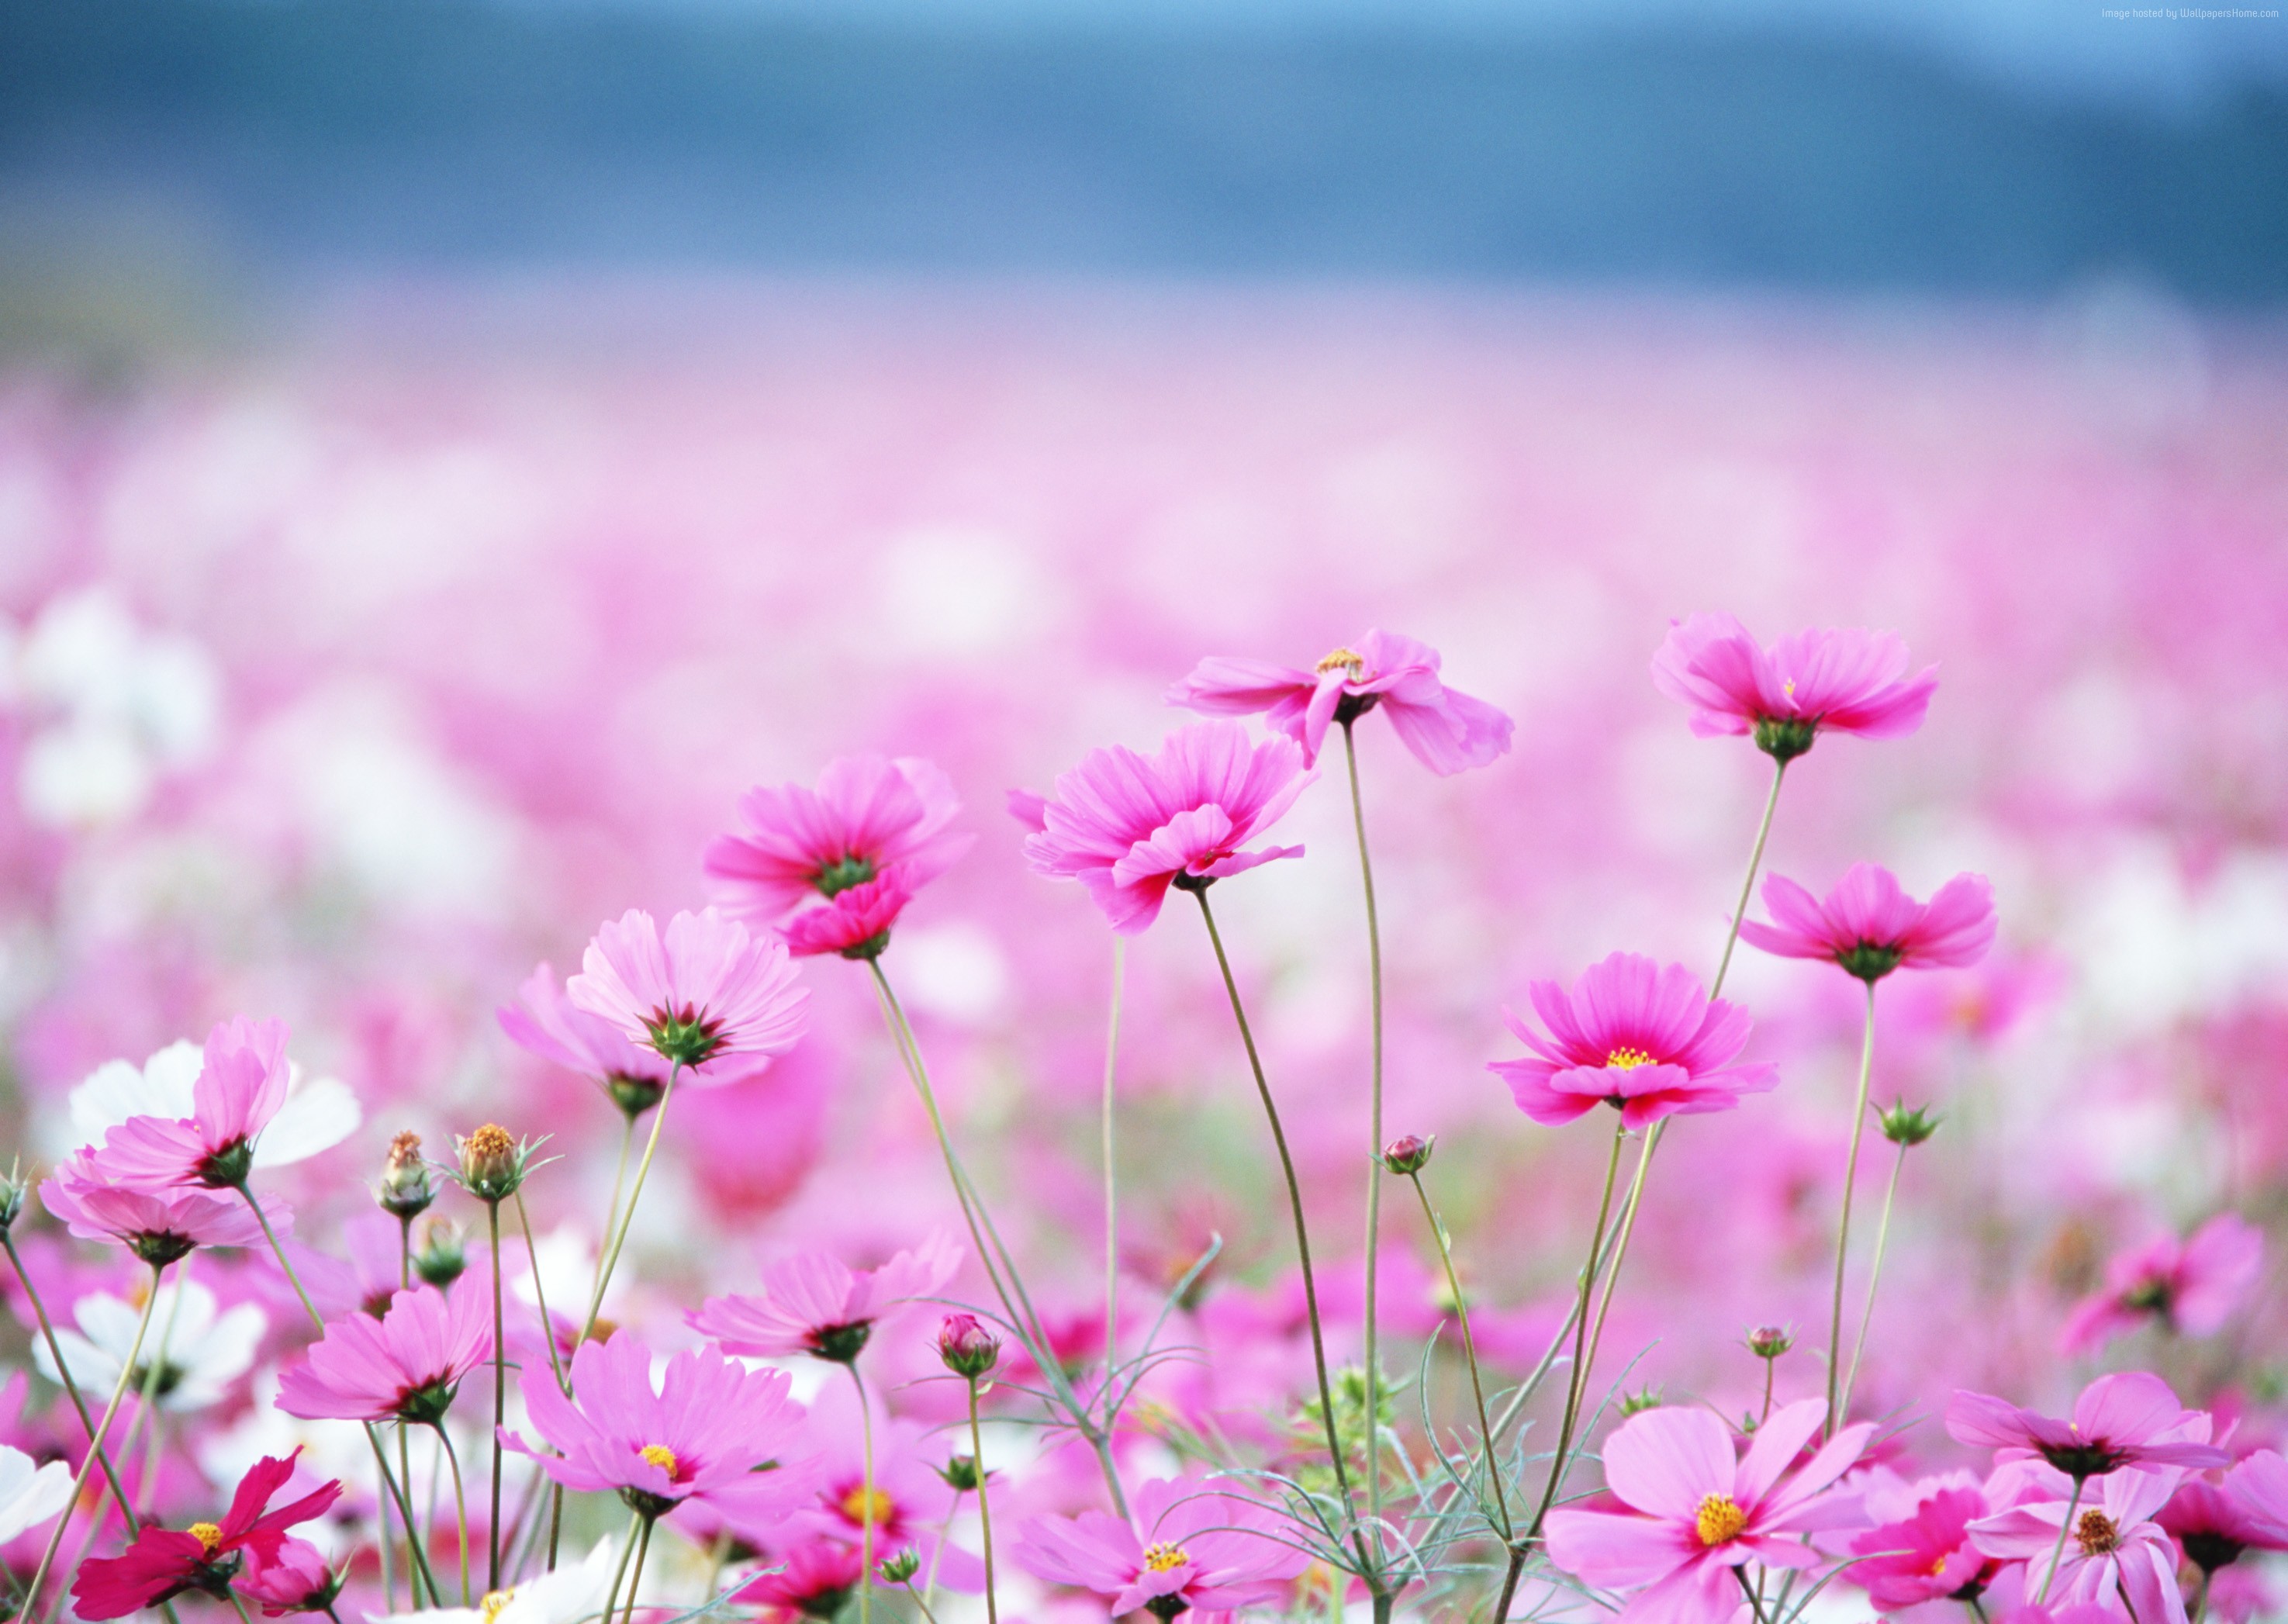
(239, 1089)
(1699, 1510)
(158, 1225)
(2113, 1548)
(1827, 681)
(1926, 1557)
(1632, 1035)
(1447, 730)
(810, 1582)
(714, 1433)
(1190, 1548)
(2192, 1287)
(405, 1365)
(814, 1302)
(867, 815)
(2130, 1419)
(856, 922)
(1126, 825)
(294, 1578)
(706, 990)
(163, 1562)
(1872, 927)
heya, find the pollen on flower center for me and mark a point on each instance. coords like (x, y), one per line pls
(661, 1456)
(1164, 1558)
(492, 1601)
(1341, 659)
(1626, 1059)
(1720, 1519)
(2096, 1534)
(206, 1534)
(865, 1506)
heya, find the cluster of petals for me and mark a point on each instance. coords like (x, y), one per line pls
(241, 1086)
(1128, 825)
(1447, 730)
(569, 1595)
(404, 1366)
(208, 1347)
(1922, 1551)
(96, 1202)
(1850, 681)
(2113, 1548)
(1216, 1551)
(2193, 1286)
(545, 1021)
(2214, 1522)
(814, 1302)
(295, 1579)
(1870, 926)
(164, 1561)
(704, 1436)
(810, 1582)
(1698, 1509)
(315, 1114)
(2128, 1419)
(702, 991)
(1645, 1039)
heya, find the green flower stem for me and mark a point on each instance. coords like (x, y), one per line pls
(460, 1504)
(1843, 1225)
(984, 1510)
(500, 1402)
(1470, 1354)
(2058, 1551)
(866, 1502)
(627, 1549)
(635, 1582)
(627, 1219)
(1373, 1165)
(71, 1388)
(1874, 1275)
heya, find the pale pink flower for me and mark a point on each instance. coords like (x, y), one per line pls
(405, 1365)
(1699, 1510)
(1826, 681)
(2129, 1419)
(867, 815)
(158, 1225)
(706, 990)
(1127, 825)
(240, 1088)
(2113, 1552)
(1646, 1040)
(1447, 730)
(1190, 1549)
(2192, 1287)
(546, 1022)
(2258, 1484)
(812, 1302)
(1870, 926)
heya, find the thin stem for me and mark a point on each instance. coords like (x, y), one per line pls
(1843, 1226)
(921, 1602)
(241, 1606)
(1577, 1380)
(1373, 1150)
(612, 1208)
(547, 1325)
(1755, 1602)
(984, 1512)
(405, 1471)
(2058, 1551)
(1874, 1275)
(635, 1583)
(460, 1504)
(627, 1549)
(1771, 1368)
(500, 1403)
(1470, 1354)
(1747, 885)
(71, 1387)
(866, 1496)
(1979, 1608)
(30, 1609)
(628, 1219)
(1112, 1184)
(1294, 1202)
(2201, 1596)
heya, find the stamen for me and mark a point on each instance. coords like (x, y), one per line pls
(492, 1603)
(1343, 659)
(1627, 1059)
(1720, 1519)
(1164, 1558)
(206, 1534)
(661, 1456)
(2096, 1534)
(865, 1506)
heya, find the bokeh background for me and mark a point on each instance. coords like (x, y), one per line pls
(447, 450)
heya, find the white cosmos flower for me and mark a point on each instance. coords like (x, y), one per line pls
(565, 1596)
(30, 1495)
(197, 1352)
(317, 1115)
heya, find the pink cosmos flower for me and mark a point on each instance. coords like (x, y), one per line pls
(2129, 1419)
(544, 1022)
(294, 1578)
(715, 1433)
(909, 1502)
(404, 1367)
(159, 1226)
(810, 1582)
(707, 989)
(1448, 731)
(1927, 1555)
(2258, 1486)
(814, 1303)
(856, 922)
(1190, 1549)
(1644, 1039)
(239, 1089)
(2214, 1522)
(1698, 1510)
(2113, 1548)
(2192, 1287)
(868, 817)
(1872, 927)
(2073, 1612)
(163, 1562)
(1815, 682)
(1127, 827)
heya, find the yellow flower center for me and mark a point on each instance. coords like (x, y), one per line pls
(206, 1534)
(1162, 1558)
(1939, 1567)
(661, 1456)
(1720, 1519)
(1343, 659)
(1790, 685)
(2096, 1534)
(493, 1602)
(868, 1506)
(1627, 1059)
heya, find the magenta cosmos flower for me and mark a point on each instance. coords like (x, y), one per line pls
(1448, 731)
(2215, 1523)
(1645, 1040)
(869, 818)
(2192, 1287)
(296, 1578)
(1698, 1510)
(714, 1433)
(240, 1088)
(814, 1302)
(544, 1022)
(163, 1562)
(2113, 1550)
(160, 1226)
(1872, 927)
(1127, 825)
(810, 1582)
(405, 1365)
(1190, 1549)
(1926, 1554)
(706, 989)
(1815, 682)
(2130, 1419)
(854, 923)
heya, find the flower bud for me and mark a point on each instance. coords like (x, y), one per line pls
(1637, 1403)
(405, 1191)
(968, 1348)
(11, 1196)
(898, 1569)
(1902, 1127)
(960, 1474)
(1409, 1154)
(1768, 1341)
(492, 1164)
(442, 1256)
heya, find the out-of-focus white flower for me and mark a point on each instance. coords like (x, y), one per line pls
(195, 1352)
(573, 1592)
(317, 1115)
(30, 1495)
